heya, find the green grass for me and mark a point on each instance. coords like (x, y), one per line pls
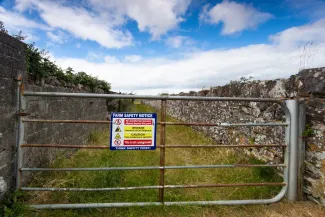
(13, 205)
(174, 135)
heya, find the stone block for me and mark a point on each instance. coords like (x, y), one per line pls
(3, 187)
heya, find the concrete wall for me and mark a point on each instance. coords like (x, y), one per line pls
(58, 108)
(308, 86)
(12, 63)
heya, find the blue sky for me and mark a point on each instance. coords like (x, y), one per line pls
(153, 46)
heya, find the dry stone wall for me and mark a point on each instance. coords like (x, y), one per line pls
(307, 86)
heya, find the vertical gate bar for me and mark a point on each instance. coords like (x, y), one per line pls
(20, 139)
(293, 106)
(301, 150)
(162, 149)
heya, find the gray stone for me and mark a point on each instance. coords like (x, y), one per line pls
(3, 187)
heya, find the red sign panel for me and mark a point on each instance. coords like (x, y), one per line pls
(137, 142)
(137, 122)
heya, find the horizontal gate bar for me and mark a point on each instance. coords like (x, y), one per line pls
(156, 187)
(158, 146)
(119, 96)
(151, 167)
(221, 146)
(65, 146)
(200, 203)
(67, 121)
(274, 124)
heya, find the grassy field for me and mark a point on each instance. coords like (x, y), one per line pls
(175, 135)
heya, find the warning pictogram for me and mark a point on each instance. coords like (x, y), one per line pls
(117, 142)
(118, 121)
(118, 129)
(118, 136)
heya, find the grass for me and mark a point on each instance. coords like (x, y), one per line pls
(175, 135)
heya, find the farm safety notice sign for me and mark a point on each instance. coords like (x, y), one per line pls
(133, 131)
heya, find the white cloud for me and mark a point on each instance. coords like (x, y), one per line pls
(175, 41)
(154, 16)
(95, 56)
(234, 16)
(79, 22)
(59, 37)
(15, 22)
(103, 21)
(178, 41)
(203, 68)
(296, 36)
(30, 37)
(132, 58)
(110, 59)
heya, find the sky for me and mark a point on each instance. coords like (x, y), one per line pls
(172, 46)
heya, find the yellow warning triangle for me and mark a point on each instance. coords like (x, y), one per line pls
(118, 129)
(118, 136)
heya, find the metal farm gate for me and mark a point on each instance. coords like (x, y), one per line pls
(290, 146)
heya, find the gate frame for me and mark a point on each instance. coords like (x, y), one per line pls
(291, 150)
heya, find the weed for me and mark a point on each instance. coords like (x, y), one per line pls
(93, 137)
(308, 132)
(267, 174)
(251, 140)
(13, 205)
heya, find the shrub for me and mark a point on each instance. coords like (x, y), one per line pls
(39, 66)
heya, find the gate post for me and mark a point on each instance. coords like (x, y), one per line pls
(293, 107)
(20, 135)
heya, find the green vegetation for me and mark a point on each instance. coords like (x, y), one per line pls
(40, 67)
(242, 80)
(105, 158)
(308, 132)
(12, 205)
(251, 140)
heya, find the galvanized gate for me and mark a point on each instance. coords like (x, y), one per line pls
(290, 147)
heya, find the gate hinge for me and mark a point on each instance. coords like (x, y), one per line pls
(22, 114)
(18, 78)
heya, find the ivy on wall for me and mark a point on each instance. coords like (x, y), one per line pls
(40, 67)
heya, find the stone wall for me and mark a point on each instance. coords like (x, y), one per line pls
(307, 86)
(12, 64)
